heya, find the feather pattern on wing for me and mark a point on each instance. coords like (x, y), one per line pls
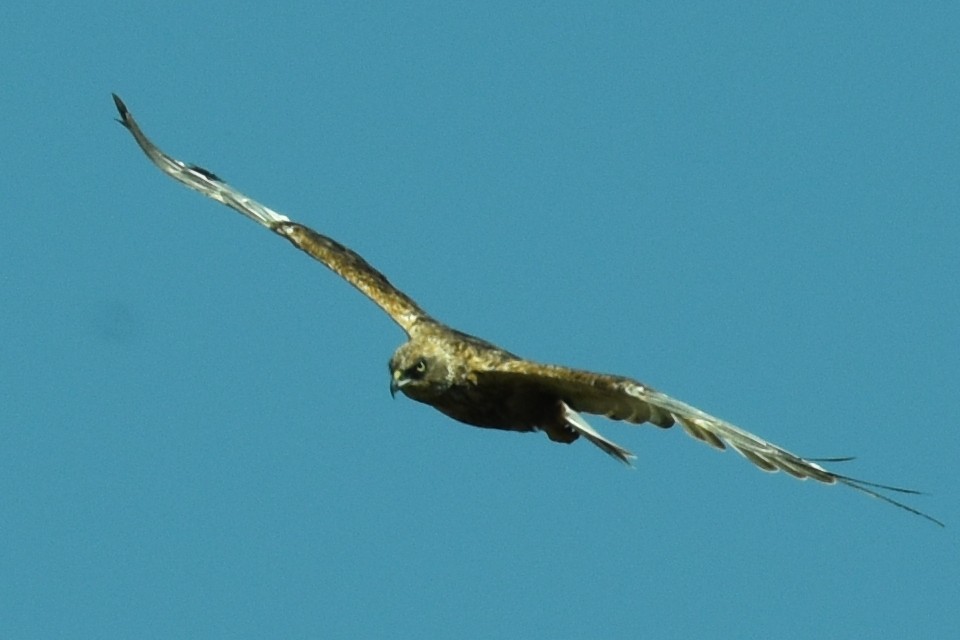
(343, 261)
(621, 398)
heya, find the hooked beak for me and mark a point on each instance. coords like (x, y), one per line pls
(396, 382)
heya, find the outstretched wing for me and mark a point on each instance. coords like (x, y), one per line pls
(621, 398)
(348, 264)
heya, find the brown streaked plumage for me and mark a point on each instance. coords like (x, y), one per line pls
(480, 384)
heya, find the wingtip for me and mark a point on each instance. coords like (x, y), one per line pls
(122, 109)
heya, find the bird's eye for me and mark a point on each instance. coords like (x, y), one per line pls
(416, 371)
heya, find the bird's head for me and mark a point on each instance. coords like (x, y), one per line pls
(420, 370)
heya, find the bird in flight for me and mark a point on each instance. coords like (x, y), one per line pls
(480, 384)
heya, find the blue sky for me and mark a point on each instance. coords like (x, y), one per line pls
(752, 208)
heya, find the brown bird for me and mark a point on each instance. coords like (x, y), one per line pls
(481, 384)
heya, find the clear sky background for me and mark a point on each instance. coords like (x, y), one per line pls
(753, 208)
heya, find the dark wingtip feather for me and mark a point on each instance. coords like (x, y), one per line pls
(122, 109)
(834, 459)
(870, 488)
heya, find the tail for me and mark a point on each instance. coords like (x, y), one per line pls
(576, 422)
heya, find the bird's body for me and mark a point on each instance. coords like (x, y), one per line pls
(480, 384)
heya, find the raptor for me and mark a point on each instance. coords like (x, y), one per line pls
(480, 384)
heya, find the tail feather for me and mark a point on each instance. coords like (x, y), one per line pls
(576, 422)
